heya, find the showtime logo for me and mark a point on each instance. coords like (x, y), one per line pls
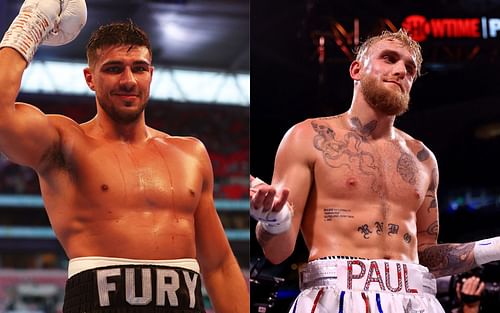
(420, 28)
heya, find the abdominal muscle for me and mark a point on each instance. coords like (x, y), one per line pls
(363, 232)
(130, 233)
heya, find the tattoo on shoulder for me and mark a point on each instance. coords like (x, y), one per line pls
(423, 155)
(331, 213)
(393, 229)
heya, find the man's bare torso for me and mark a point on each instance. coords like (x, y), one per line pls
(112, 198)
(365, 192)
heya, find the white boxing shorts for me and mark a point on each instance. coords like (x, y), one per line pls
(332, 285)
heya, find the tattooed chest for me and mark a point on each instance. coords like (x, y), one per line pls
(350, 162)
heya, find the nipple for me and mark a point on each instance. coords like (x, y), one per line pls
(351, 182)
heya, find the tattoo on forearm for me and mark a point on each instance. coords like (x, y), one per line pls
(447, 259)
(365, 230)
(330, 213)
(407, 168)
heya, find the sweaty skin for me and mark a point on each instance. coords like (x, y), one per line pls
(359, 186)
(115, 187)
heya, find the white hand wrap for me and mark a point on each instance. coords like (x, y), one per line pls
(487, 250)
(274, 222)
(51, 22)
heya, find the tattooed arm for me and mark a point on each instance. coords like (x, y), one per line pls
(293, 170)
(441, 259)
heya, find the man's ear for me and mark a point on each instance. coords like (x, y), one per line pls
(89, 78)
(355, 70)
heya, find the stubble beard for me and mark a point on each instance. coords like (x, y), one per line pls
(383, 99)
(122, 117)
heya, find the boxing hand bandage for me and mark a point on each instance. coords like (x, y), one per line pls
(49, 22)
(274, 222)
(487, 250)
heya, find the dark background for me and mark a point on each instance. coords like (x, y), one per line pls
(452, 104)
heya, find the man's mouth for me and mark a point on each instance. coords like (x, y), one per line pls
(396, 83)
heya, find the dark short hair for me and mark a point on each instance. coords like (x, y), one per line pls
(116, 34)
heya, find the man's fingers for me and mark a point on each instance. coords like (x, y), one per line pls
(269, 199)
(281, 199)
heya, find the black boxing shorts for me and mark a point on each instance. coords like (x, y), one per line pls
(116, 285)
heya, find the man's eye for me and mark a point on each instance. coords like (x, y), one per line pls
(141, 69)
(112, 69)
(388, 58)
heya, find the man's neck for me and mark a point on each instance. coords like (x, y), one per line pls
(371, 122)
(133, 132)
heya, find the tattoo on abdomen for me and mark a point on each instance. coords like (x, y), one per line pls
(365, 230)
(393, 229)
(330, 213)
(407, 238)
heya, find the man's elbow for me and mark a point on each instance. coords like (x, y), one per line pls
(277, 257)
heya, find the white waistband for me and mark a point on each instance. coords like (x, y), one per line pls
(78, 265)
(368, 275)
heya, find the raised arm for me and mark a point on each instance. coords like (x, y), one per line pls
(222, 275)
(292, 180)
(26, 134)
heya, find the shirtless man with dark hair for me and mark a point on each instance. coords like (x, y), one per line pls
(364, 195)
(132, 207)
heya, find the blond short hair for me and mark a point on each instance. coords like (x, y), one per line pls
(402, 36)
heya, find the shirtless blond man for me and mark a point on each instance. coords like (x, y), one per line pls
(364, 195)
(132, 206)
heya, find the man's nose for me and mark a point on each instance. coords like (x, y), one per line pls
(127, 78)
(400, 69)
